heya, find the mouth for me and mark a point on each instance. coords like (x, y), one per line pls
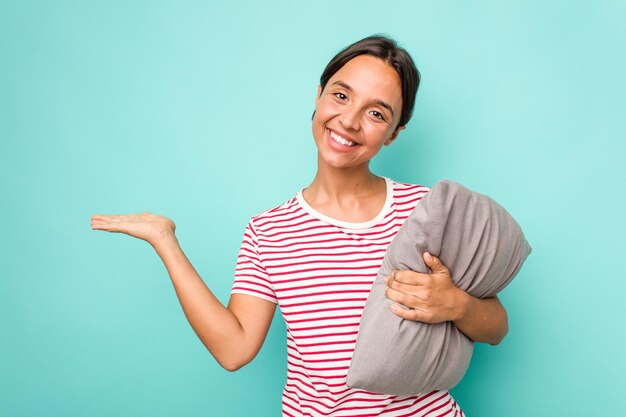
(341, 140)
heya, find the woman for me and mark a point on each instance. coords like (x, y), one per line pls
(317, 254)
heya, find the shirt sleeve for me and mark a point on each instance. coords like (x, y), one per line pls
(251, 278)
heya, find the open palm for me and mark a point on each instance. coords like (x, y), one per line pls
(146, 226)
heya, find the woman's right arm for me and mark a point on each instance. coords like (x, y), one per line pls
(233, 334)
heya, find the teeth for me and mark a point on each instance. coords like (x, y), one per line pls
(341, 140)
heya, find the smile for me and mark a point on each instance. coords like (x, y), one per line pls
(339, 139)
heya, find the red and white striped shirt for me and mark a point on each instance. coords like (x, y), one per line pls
(320, 270)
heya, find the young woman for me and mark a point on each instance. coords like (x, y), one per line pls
(317, 254)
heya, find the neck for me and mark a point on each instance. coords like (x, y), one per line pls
(343, 183)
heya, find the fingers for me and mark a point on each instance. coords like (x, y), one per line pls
(422, 297)
(409, 277)
(109, 223)
(411, 307)
(114, 217)
(104, 217)
(413, 299)
(419, 289)
(411, 291)
(408, 288)
(415, 314)
(434, 263)
(106, 223)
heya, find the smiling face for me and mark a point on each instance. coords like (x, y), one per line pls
(357, 112)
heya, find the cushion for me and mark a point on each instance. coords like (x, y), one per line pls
(482, 246)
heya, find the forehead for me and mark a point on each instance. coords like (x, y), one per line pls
(372, 78)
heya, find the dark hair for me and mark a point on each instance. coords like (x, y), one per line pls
(388, 50)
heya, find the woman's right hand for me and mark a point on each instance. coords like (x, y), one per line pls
(146, 226)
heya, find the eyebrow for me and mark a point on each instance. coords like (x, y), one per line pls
(378, 101)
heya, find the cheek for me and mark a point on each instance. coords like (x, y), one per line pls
(318, 120)
(379, 133)
(326, 106)
(317, 125)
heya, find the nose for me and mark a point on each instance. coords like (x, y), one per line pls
(350, 118)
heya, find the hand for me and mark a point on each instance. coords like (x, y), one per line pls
(432, 298)
(146, 226)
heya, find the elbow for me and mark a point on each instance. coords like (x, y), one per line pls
(503, 328)
(496, 342)
(233, 364)
(229, 358)
(500, 337)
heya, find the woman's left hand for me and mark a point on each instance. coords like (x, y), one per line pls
(432, 298)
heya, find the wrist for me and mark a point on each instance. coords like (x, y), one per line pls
(165, 239)
(462, 304)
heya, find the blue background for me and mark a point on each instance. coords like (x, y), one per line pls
(201, 111)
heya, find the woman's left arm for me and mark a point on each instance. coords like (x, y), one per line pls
(485, 320)
(433, 298)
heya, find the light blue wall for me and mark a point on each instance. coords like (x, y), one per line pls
(201, 111)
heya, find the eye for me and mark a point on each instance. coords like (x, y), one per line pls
(378, 115)
(340, 96)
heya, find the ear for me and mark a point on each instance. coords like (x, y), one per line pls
(394, 135)
(319, 94)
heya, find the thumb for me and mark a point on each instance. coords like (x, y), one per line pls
(434, 263)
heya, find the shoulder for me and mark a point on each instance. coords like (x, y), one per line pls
(403, 190)
(407, 195)
(280, 213)
(405, 186)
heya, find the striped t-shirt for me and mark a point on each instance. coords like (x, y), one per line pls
(320, 270)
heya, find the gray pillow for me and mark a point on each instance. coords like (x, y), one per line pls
(482, 246)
